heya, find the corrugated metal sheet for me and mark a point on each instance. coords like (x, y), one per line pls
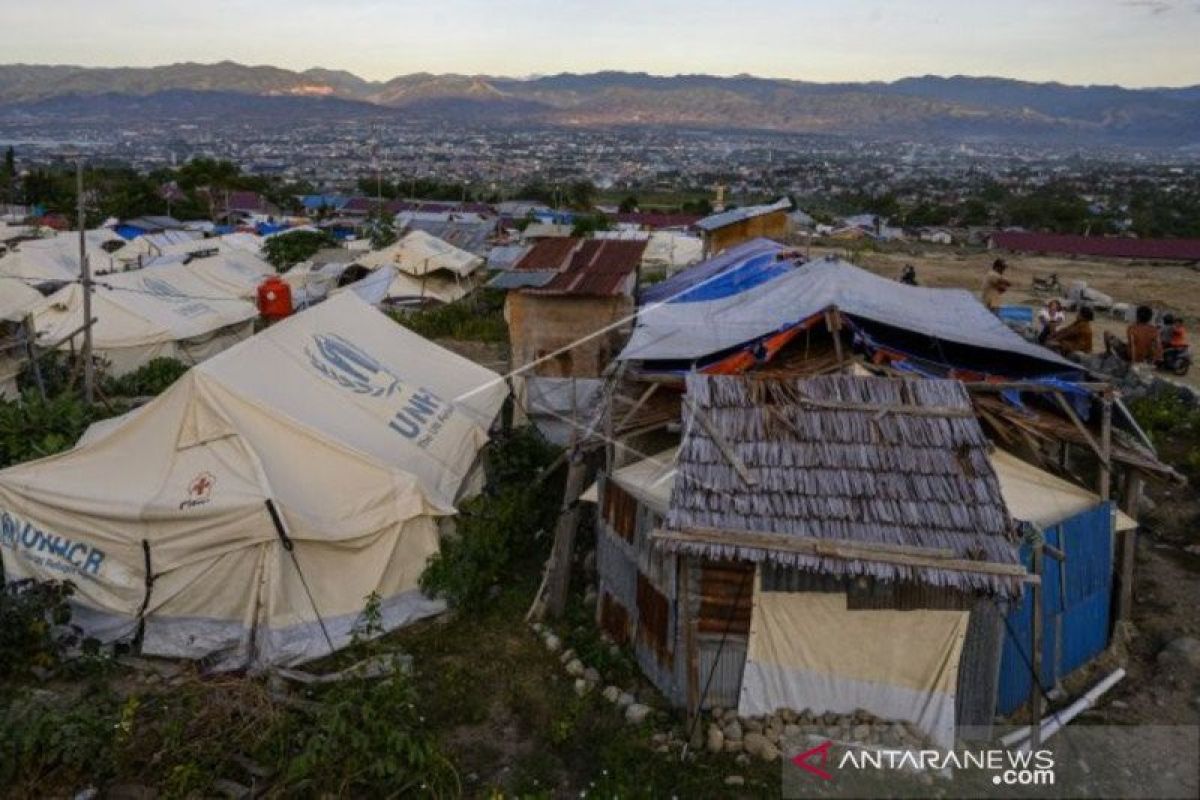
(979, 672)
(548, 255)
(1076, 601)
(723, 665)
(600, 267)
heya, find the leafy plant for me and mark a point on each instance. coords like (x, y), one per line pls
(152, 378)
(288, 249)
(34, 620)
(479, 318)
(498, 530)
(33, 428)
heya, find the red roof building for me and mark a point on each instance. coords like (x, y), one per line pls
(1098, 246)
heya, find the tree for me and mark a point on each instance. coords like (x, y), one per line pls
(289, 249)
(382, 229)
(581, 195)
(628, 205)
(588, 224)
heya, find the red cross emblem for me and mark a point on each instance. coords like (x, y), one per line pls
(201, 485)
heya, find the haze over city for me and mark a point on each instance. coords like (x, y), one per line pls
(1133, 43)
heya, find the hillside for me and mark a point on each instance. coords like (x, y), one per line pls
(929, 106)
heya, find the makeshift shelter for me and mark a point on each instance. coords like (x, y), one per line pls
(815, 531)
(734, 313)
(576, 307)
(232, 271)
(728, 228)
(146, 314)
(246, 514)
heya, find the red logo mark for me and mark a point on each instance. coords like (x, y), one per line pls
(804, 760)
(201, 485)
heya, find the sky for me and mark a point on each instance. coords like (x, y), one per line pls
(1127, 42)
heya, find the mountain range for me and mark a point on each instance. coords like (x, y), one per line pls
(940, 107)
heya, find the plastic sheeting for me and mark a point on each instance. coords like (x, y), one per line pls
(807, 650)
(681, 329)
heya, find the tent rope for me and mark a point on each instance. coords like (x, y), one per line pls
(290, 547)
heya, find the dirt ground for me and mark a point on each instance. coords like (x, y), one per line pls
(1171, 288)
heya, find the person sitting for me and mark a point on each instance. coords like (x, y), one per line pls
(995, 285)
(1076, 337)
(1174, 334)
(1143, 338)
(1049, 319)
(909, 275)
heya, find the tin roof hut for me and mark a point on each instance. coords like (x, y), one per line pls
(831, 545)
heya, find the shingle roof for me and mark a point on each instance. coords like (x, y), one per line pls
(879, 461)
(1101, 246)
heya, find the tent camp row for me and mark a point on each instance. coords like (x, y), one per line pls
(245, 515)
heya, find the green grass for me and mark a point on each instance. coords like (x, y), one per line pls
(478, 318)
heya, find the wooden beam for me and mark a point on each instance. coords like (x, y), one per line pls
(726, 449)
(1087, 435)
(1026, 386)
(1105, 476)
(1035, 707)
(901, 555)
(641, 401)
(1132, 492)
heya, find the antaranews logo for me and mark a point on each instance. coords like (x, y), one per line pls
(1018, 767)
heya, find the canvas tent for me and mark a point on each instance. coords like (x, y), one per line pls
(146, 314)
(56, 259)
(246, 514)
(16, 300)
(425, 268)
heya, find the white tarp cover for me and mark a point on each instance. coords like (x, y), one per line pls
(671, 251)
(146, 314)
(233, 271)
(440, 287)
(346, 422)
(1042, 498)
(417, 253)
(719, 314)
(17, 299)
(807, 650)
(56, 259)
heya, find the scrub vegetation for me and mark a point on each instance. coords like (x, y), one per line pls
(478, 318)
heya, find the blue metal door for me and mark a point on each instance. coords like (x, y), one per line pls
(1076, 597)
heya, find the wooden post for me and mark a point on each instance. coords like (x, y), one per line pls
(559, 575)
(31, 354)
(1106, 447)
(1132, 492)
(1035, 704)
(833, 321)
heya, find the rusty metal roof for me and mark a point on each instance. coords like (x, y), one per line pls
(599, 267)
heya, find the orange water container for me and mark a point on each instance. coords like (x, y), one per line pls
(274, 298)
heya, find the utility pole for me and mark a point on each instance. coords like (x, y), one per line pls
(85, 273)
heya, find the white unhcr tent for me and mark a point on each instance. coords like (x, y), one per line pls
(426, 268)
(146, 314)
(16, 300)
(245, 515)
(56, 259)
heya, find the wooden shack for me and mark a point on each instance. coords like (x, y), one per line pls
(829, 544)
(728, 228)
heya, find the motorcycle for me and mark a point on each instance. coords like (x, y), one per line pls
(1176, 360)
(1047, 285)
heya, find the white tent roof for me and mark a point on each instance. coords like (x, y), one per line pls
(233, 271)
(1031, 494)
(57, 258)
(17, 299)
(141, 308)
(272, 489)
(419, 253)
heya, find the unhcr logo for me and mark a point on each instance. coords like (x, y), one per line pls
(163, 290)
(350, 367)
(423, 413)
(48, 550)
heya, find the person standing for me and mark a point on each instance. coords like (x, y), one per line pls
(995, 285)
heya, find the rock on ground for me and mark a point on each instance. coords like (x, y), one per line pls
(636, 713)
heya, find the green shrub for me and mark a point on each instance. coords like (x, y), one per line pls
(479, 318)
(365, 738)
(288, 249)
(1173, 427)
(498, 530)
(46, 740)
(33, 428)
(152, 378)
(33, 616)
